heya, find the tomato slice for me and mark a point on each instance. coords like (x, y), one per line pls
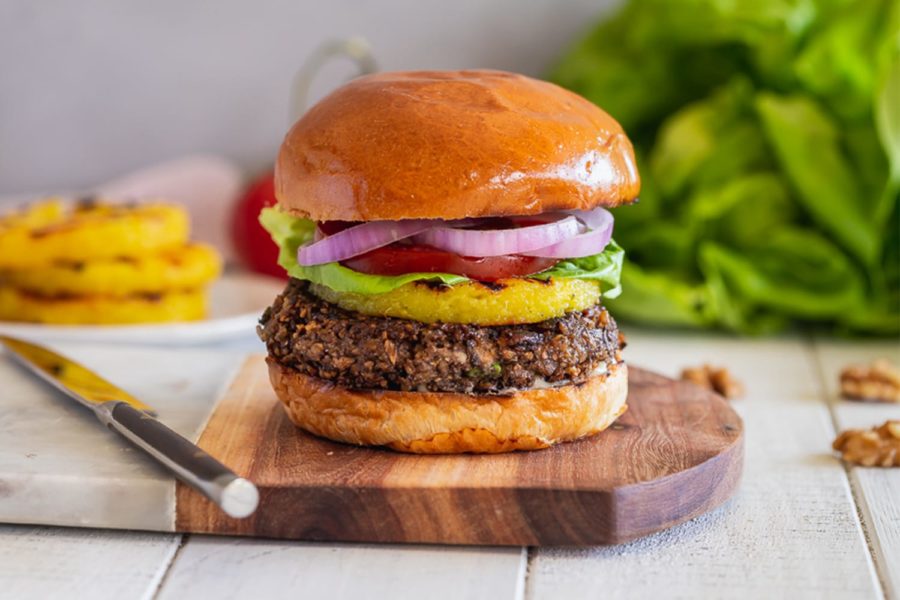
(399, 259)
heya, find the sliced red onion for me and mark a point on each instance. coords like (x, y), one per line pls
(359, 239)
(500, 242)
(596, 218)
(600, 224)
(572, 234)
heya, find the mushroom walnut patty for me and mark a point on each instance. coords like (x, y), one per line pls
(357, 351)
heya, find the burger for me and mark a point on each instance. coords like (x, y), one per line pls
(448, 243)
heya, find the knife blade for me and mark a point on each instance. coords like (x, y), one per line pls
(128, 416)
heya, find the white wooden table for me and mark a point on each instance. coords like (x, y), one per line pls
(802, 525)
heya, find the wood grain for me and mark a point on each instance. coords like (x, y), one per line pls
(675, 454)
(218, 568)
(42, 562)
(877, 490)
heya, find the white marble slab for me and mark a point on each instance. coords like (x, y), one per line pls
(60, 466)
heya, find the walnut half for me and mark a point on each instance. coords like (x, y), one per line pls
(879, 382)
(871, 447)
(713, 378)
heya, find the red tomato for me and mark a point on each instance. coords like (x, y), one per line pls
(398, 259)
(255, 248)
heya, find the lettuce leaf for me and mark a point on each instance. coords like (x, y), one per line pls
(289, 233)
(605, 267)
(807, 144)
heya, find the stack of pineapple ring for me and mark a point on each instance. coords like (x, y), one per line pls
(95, 262)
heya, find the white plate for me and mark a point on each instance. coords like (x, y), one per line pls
(236, 303)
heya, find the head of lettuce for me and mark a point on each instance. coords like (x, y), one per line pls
(768, 135)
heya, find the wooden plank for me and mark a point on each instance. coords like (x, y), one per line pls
(877, 490)
(208, 567)
(60, 466)
(791, 531)
(675, 454)
(40, 562)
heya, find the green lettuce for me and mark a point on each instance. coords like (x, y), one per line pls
(605, 267)
(767, 136)
(289, 233)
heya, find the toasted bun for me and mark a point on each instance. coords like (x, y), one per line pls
(452, 144)
(447, 423)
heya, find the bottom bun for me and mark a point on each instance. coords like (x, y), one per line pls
(448, 423)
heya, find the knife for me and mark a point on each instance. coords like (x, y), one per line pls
(130, 417)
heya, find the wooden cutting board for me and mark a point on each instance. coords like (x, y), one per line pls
(675, 454)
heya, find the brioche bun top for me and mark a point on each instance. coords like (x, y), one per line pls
(452, 144)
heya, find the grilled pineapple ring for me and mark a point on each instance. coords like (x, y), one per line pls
(505, 302)
(53, 230)
(187, 305)
(191, 266)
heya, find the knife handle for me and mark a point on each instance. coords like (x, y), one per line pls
(234, 495)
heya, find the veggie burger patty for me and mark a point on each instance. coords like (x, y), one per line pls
(353, 350)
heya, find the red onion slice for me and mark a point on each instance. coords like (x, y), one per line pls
(500, 242)
(359, 239)
(596, 218)
(572, 234)
(600, 224)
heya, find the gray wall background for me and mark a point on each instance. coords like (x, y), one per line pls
(94, 88)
